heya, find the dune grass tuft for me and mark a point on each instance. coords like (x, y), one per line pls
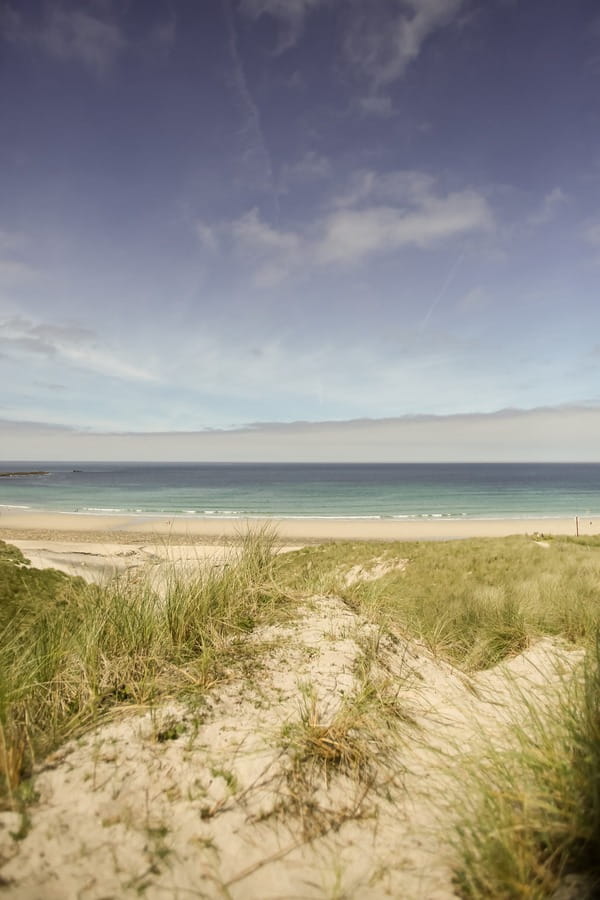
(474, 602)
(70, 652)
(532, 815)
(531, 822)
(355, 743)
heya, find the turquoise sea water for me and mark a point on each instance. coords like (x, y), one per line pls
(328, 490)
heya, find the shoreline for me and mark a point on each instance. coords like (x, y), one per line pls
(88, 526)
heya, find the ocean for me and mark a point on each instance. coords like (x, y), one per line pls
(237, 490)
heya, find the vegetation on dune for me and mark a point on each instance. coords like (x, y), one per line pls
(71, 652)
(21, 588)
(532, 813)
(474, 602)
(531, 820)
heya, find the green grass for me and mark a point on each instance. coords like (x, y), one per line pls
(70, 652)
(21, 588)
(474, 602)
(532, 813)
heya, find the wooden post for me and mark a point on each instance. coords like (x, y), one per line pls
(577, 526)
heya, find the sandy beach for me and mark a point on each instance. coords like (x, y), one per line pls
(32, 524)
(98, 547)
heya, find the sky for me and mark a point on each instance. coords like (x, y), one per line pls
(300, 229)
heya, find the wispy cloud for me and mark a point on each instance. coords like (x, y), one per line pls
(207, 236)
(272, 251)
(351, 235)
(383, 38)
(399, 187)
(308, 374)
(250, 231)
(376, 105)
(87, 32)
(14, 272)
(359, 225)
(78, 35)
(442, 292)
(256, 150)
(383, 212)
(591, 234)
(290, 14)
(68, 344)
(475, 299)
(551, 205)
(69, 32)
(310, 167)
(380, 38)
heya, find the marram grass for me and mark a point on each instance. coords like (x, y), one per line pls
(474, 602)
(70, 652)
(532, 814)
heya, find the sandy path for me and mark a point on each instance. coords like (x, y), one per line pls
(209, 800)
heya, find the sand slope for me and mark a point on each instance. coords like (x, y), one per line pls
(224, 799)
(99, 561)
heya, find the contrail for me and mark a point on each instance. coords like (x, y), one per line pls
(443, 290)
(253, 125)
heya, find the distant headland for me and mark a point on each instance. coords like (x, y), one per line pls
(20, 474)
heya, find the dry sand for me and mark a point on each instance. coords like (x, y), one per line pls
(14, 523)
(97, 546)
(222, 810)
(207, 800)
(98, 561)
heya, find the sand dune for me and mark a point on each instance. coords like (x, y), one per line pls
(329, 763)
(227, 799)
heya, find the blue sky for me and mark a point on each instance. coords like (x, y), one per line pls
(220, 214)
